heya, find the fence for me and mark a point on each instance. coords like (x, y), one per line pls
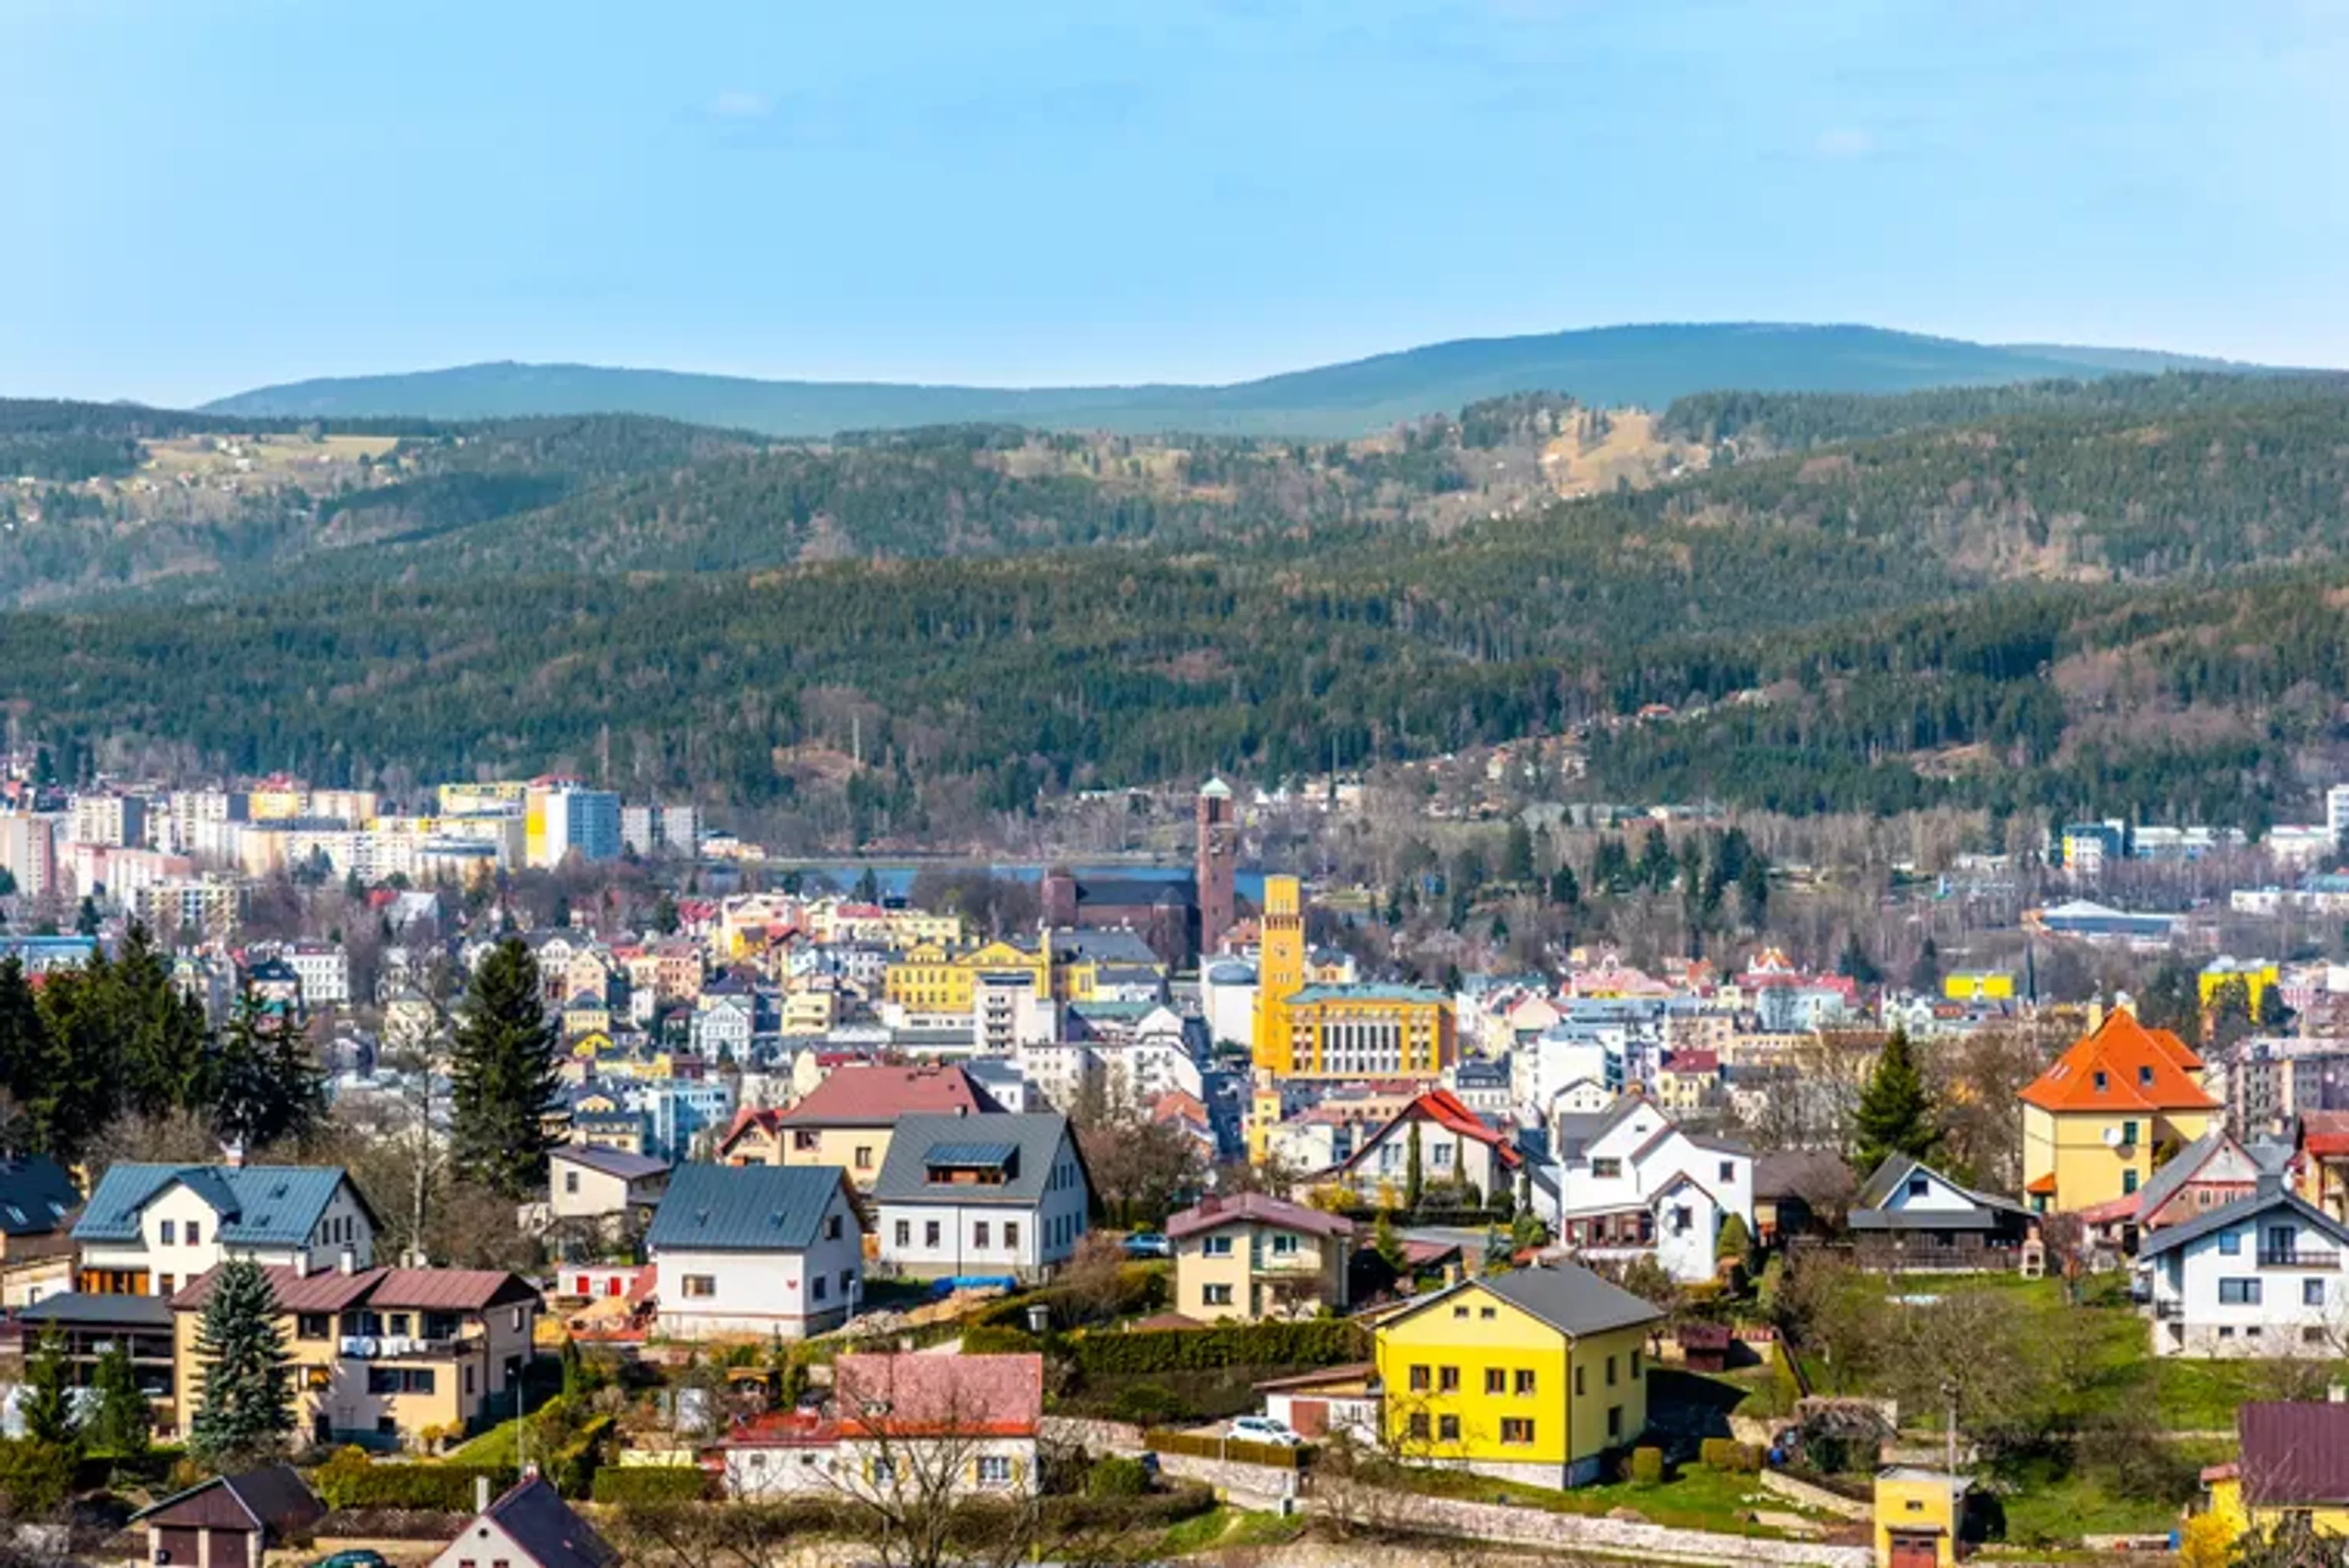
(1231, 1451)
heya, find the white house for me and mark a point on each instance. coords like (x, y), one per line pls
(2262, 1276)
(899, 1429)
(1456, 1147)
(529, 1526)
(149, 1229)
(981, 1195)
(1627, 1174)
(757, 1248)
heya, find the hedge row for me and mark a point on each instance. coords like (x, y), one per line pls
(651, 1483)
(1729, 1454)
(444, 1488)
(1280, 1456)
(976, 1524)
(1317, 1341)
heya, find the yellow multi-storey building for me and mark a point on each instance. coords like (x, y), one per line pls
(1307, 1030)
(2121, 1100)
(1279, 970)
(936, 978)
(1532, 1376)
(2259, 976)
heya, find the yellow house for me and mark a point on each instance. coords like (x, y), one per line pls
(848, 1119)
(1918, 1517)
(936, 978)
(2294, 1459)
(2115, 1105)
(2259, 976)
(383, 1355)
(583, 1015)
(1533, 1375)
(1253, 1256)
(1370, 1032)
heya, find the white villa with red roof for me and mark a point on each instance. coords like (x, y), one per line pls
(1456, 1147)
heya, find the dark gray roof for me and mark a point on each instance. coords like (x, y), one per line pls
(544, 1526)
(258, 1205)
(1570, 1298)
(1798, 1173)
(36, 1195)
(617, 1162)
(743, 1208)
(1869, 1214)
(1033, 1138)
(2170, 1238)
(104, 1311)
(274, 1496)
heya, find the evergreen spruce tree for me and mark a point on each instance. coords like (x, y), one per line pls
(163, 1032)
(297, 1084)
(48, 1393)
(1925, 974)
(1563, 888)
(24, 1040)
(1895, 1114)
(123, 1423)
(239, 1082)
(246, 1410)
(76, 1086)
(1415, 1175)
(505, 1074)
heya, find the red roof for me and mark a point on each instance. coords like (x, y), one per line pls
(2294, 1455)
(330, 1290)
(914, 1395)
(877, 1096)
(1444, 1108)
(1256, 1208)
(1692, 1062)
(2122, 1065)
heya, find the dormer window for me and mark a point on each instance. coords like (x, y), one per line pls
(2145, 1077)
(2103, 1083)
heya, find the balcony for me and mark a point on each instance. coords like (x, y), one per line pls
(395, 1346)
(2168, 1308)
(2298, 1258)
(1294, 1265)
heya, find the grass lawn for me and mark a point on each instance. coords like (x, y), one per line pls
(2047, 1504)
(1697, 1497)
(1224, 1528)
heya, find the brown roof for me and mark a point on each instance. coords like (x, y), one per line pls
(877, 1096)
(2294, 1455)
(273, 1500)
(328, 1290)
(1256, 1208)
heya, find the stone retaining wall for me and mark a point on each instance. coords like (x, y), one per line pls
(1568, 1533)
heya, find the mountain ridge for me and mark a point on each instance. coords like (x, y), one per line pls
(1644, 365)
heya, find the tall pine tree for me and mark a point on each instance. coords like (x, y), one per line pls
(165, 1037)
(1895, 1114)
(245, 1412)
(124, 1423)
(48, 1393)
(504, 1073)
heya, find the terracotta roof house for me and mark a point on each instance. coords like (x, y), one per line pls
(2110, 1110)
(848, 1118)
(1458, 1149)
(896, 1423)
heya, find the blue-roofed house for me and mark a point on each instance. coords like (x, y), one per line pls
(757, 1248)
(149, 1229)
(982, 1195)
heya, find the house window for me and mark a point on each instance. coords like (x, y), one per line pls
(169, 1233)
(2231, 1243)
(165, 1284)
(317, 1379)
(2239, 1293)
(1525, 1382)
(2129, 1134)
(2103, 1082)
(1488, 1312)
(2145, 1076)
(804, 1140)
(469, 1382)
(313, 1325)
(832, 1228)
(1728, 1171)
(399, 1380)
(1284, 1245)
(1447, 1429)
(1918, 1187)
(1419, 1379)
(1516, 1430)
(885, 1473)
(1216, 1247)
(1216, 1296)
(1447, 1379)
(863, 1157)
(699, 1287)
(570, 1181)
(929, 1233)
(1606, 1169)
(1610, 1372)
(1635, 1365)
(1580, 1383)
(2128, 1181)
(2312, 1293)
(847, 1280)
(195, 1234)
(1417, 1426)
(1011, 1233)
(994, 1470)
(1460, 1311)
(905, 1232)
(1614, 1421)
(1496, 1380)
(818, 1287)
(979, 1232)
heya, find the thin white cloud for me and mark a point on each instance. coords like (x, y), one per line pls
(742, 103)
(1845, 141)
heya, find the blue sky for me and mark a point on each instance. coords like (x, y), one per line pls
(203, 195)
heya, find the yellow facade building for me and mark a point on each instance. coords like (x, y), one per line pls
(1304, 1030)
(2293, 1459)
(2095, 1124)
(1919, 1516)
(1532, 1376)
(2259, 977)
(1978, 985)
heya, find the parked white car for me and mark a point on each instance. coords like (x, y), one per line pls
(1265, 1429)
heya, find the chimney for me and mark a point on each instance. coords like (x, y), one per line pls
(480, 1494)
(2336, 1394)
(233, 1154)
(350, 1262)
(962, 1110)
(302, 1264)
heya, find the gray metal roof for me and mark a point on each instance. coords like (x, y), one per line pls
(1869, 1214)
(258, 1205)
(1569, 1297)
(1034, 1138)
(743, 1208)
(617, 1162)
(2170, 1238)
(36, 1195)
(104, 1311)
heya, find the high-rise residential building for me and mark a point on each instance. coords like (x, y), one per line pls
(118, 821)
(28, 850)
(639, 829)
(2336, 814)
(1218, 849)
(560, 816)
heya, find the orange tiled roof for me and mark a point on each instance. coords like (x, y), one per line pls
(2122, 1065)
(2042, 1186)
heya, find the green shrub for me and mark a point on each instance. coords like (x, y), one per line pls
(1144, 1403)
(1116, 1476)
(1317, 1341)
(990, 1340)
(1729, 1455)
(651, 1483)
(1647, 1466)
(36, 1478)
(344, 1482)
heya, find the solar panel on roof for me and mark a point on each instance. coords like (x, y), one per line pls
(973, 1154)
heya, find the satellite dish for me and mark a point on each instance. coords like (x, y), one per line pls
(2112, 1137)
